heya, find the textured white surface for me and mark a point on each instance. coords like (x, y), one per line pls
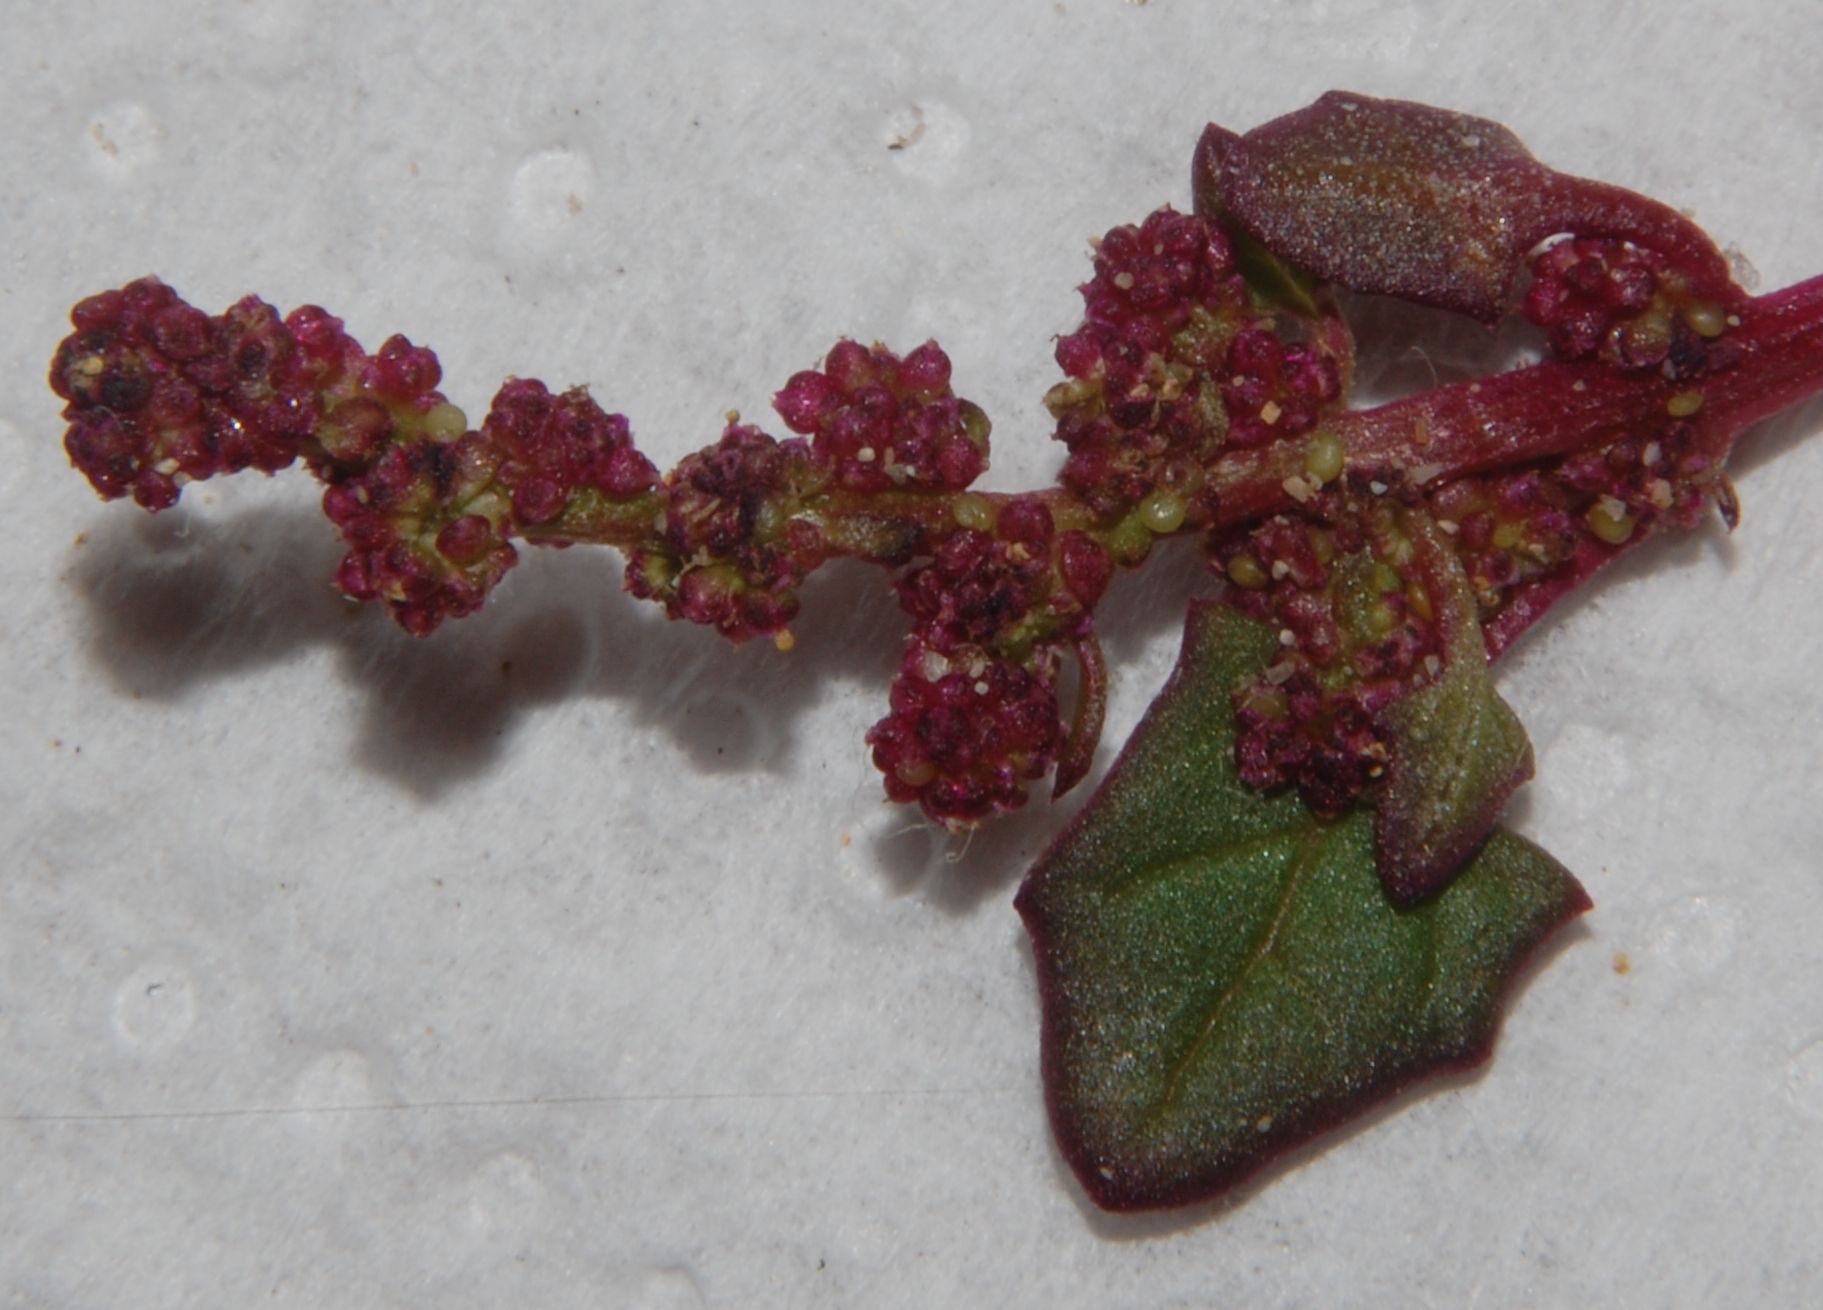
(569, 958)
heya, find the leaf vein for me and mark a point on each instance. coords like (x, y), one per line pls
(1296, 876)
(1235, 848)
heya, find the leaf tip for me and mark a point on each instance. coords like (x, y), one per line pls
(1419, 848)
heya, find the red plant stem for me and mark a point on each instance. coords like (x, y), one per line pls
(1782, 334)
(1773, 360)
(1548, 410)
(1553, 408)
(1779, 364)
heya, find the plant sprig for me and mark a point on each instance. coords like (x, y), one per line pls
(1386, 554)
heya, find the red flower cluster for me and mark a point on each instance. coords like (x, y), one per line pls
(1273, 389)
(161, 393)
(1357, 630)
(881, 423)
(412, 491)
(733, 545)
(968, 731)
(975, 708)
(981, 587)
(1140, 403)
(425, 534)
(553, 447)
(1610, 301)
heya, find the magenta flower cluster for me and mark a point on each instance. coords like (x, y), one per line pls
(1141, 405)
(160, 393)
(881, 423)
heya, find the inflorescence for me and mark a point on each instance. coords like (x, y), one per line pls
(1205, 392)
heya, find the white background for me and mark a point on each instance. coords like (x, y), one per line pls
(570, 957)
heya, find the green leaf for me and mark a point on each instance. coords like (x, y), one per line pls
(1457, 748)
(1223, 976)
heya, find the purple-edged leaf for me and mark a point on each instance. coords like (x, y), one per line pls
(1457, 748)
(1436, 207)
(1223, 977)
